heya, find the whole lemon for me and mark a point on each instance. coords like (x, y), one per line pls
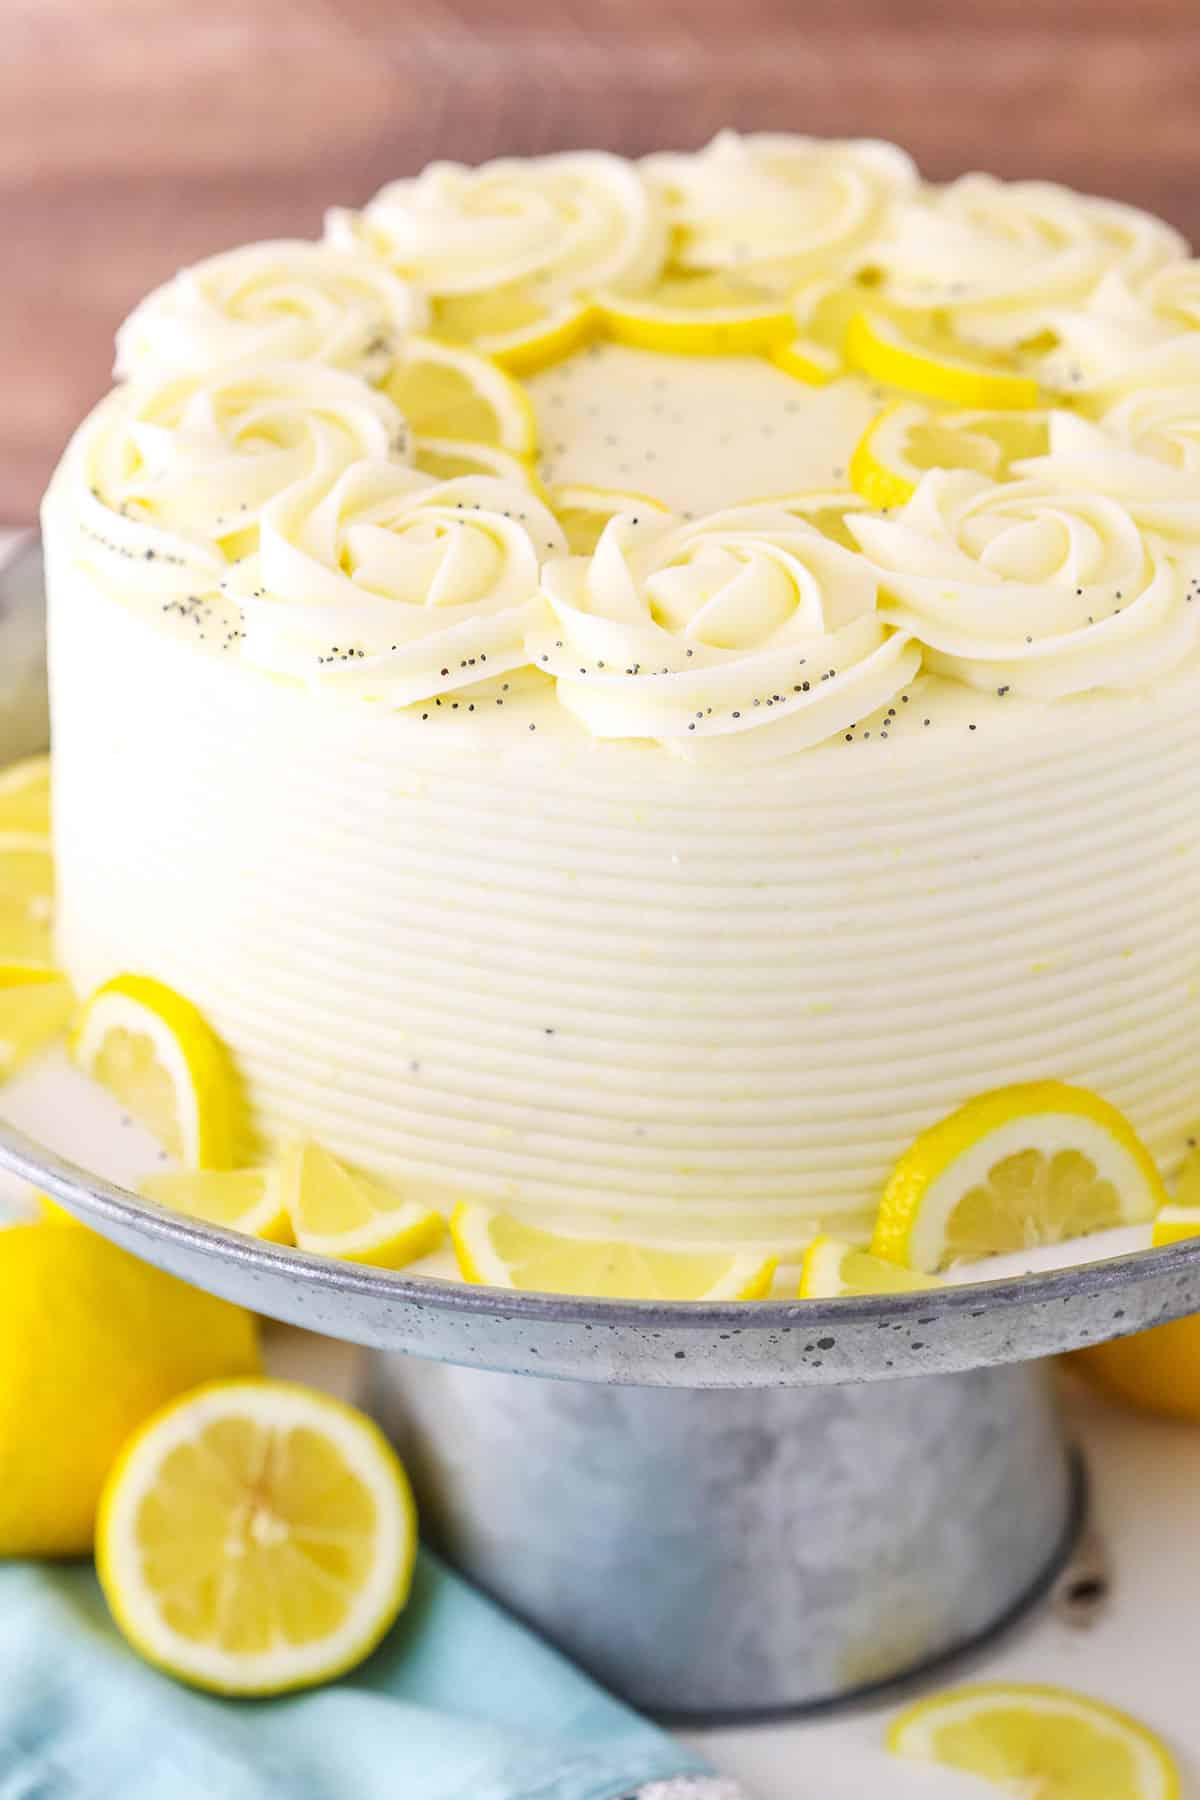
(92, 1342)
(1157, 1369)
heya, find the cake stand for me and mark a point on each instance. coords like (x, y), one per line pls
(721, 1510)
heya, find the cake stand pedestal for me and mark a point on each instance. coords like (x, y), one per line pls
(720, 1508)
(721, 1554)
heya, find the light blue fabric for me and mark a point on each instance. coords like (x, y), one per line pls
(459, 1703)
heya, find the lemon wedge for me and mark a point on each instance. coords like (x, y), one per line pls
(708, 314)
(245, 1200)
(446, 391)
(26, 903)
(448, 458)
(339, 1214)
(908, 438)
(1030, 1739)
(831, 1268)
(498, 1251)
(1012, 1169)
(33, 1012)
(583, 512)
(256, 1537)
(512, 326)
(158, 1056)
(25, 797)
(884, 350)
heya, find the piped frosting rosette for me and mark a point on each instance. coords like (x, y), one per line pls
(1026, 588)
(743, 635)
(167, 479)
(274, 302)
(1144, 453)
(1001, 259)
(554, 226)
(1128, 334)
(779, 208)
(393, 585)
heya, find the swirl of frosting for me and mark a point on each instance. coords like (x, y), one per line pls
(557, 225)
(777, 207)
(746, 632)
(168, 478)
(393, 584)
(1002, 256)
(1144, 453)
(1124, 335)
(1026, 587)
(272, 302)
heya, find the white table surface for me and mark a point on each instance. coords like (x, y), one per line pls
(1140, 1652)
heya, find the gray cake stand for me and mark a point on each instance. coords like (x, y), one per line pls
(720, 1509)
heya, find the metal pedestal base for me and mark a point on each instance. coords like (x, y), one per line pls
(742, 1552)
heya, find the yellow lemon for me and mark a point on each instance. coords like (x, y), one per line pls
(446, 391)
(710, 314)
(246, 1200)
(941, 369)
(92, 1342)
(256, 1536)
(831, 1268)
(25, 797)
(336, 1213)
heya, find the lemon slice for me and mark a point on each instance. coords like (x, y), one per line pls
(1174, 1223)
(25, 797)
(882, 349)
(807, 360)
(699, 315)
(33, 1012)
(908, 438)
(155, 1053)
(831, 1268)
(583, 512)
(26, 903)
(499, 1251)
(245, 1200)
(1029, 1739)
(445, 391)
(1021, 1166)
(512, 326)
(256, 1537)
(448, 458)
(339, 1214)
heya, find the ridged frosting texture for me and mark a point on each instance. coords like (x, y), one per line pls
(594, 986)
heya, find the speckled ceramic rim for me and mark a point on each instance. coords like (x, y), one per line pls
(696, 1343)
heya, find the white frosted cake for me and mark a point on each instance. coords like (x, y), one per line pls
(503, 674)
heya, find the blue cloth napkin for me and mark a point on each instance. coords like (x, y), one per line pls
(458, 1703)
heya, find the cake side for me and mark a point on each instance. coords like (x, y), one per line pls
(607, 987)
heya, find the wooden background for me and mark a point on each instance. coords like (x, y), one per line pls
(136, 135)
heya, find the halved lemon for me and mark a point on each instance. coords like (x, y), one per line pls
(709, 314)
(446, 391)
(339, 1214)
(514, 327)
(448, 458)
(26, 903)
(1032, 1739)
(153, 1050)
(256, 1537)
(1021, 1166)
(583, 512)
(936, 367)
(25, 797)
(245, 1200)
(908, 438)
(831, 1268)
(499, 1251)
(33, 1012)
